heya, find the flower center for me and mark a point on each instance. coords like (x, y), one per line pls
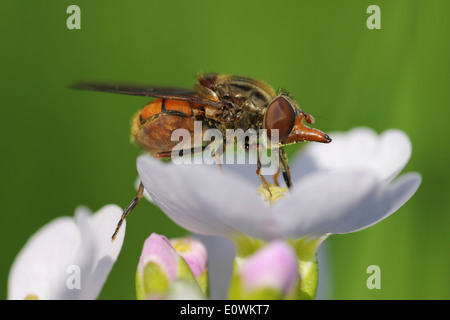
(277, 193)
(181, 246)
(31, 297)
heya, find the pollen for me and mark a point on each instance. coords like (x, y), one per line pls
(275, 193)
(181, 246)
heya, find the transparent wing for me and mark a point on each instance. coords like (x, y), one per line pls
(148, 91)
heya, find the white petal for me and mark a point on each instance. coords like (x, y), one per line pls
(346, 150)
(103, 223)
(362, 148)
(66, 249)
(84, 259)
(220, 265)
(322, 201)
(384, 203)
(245, 171)
(40, 268)
(393, 154)
(206, 201)
(325, 286)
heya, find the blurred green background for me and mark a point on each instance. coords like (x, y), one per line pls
(63, 148)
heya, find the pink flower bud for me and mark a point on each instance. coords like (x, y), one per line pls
(274, 266)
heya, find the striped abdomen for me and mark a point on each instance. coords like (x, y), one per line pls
(154, 124)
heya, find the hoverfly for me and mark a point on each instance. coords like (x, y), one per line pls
(219, 101)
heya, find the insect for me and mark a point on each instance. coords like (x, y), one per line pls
(221, 102)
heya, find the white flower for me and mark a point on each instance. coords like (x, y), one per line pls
(69, 258)
(341, 187)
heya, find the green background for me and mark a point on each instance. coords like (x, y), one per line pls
(62, 148)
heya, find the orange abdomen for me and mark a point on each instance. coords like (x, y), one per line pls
(154, 124)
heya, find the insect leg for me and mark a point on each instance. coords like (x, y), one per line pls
(275, 178)
(285, 168)
(258, 172)
(128, 209)
(137, 199)
(168, 154)
(217, 153)
(164, 155)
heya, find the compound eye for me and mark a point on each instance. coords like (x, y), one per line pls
(280, 115)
